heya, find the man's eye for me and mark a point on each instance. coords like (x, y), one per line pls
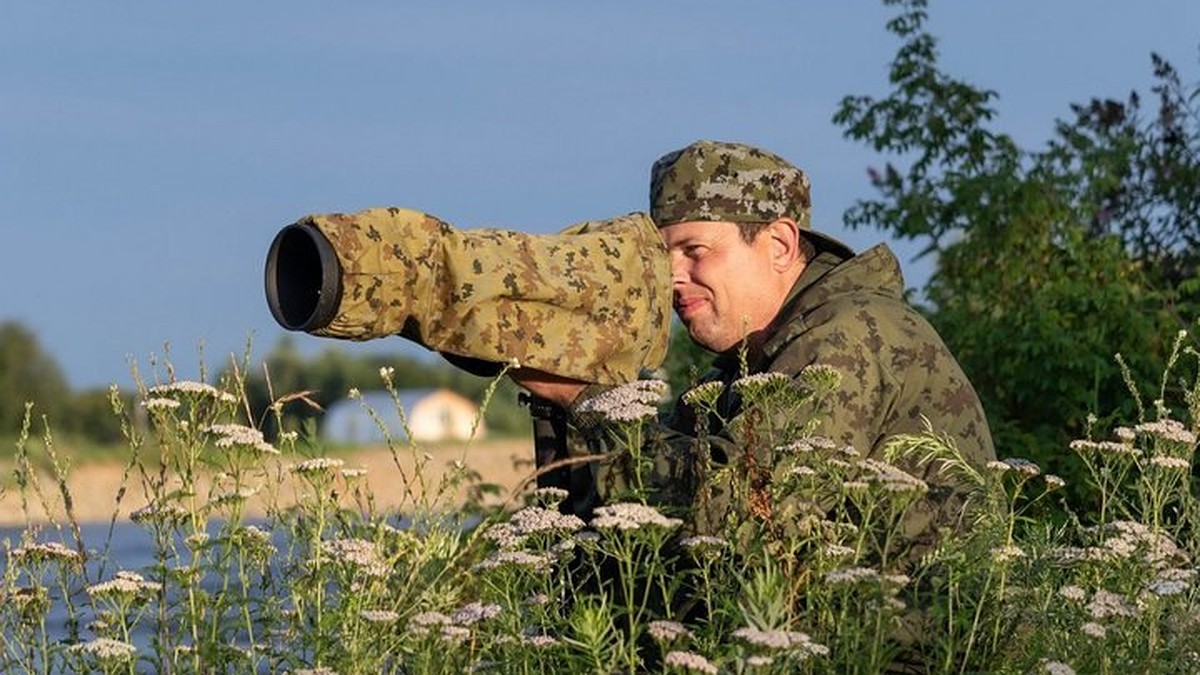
(694, 250)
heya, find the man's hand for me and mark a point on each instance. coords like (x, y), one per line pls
(559, 390)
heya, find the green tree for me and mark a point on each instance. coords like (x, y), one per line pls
(1050, 261)
(27, 374)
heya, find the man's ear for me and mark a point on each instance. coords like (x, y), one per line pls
(784, 240)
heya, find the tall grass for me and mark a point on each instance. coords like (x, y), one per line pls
(810, 565)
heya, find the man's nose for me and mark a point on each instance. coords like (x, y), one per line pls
(679, 268)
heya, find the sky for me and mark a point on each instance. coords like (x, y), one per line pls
(151, 149)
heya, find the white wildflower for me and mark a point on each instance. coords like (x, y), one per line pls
(630, 402)
(758, 385)
(1053, 482)
(159, 513)
(1073, 593)
(540, 641)
(1167, 588)
(703, 541)
(538, 562)
(455, 633)
(379, 616)
(475, 612)
(422, 624)
(836, 551)
(106, 649)
(851, 575)
(703, 394)
(1168, 430)
(1023, 466)
(631, 516)
(548, 496)
(358, 553)
(1094, 630)
(317, 465)
(124, 583)
(1170, 463)
(534, 519)
(1105, 604)
(666, 631)
(1007, 553)
(160, 403)
(1057, 667)
(811, 444)
(690, 661)
(1105, 447)
(782, 640)
(891, 478)
(186, 387)
(47, 552)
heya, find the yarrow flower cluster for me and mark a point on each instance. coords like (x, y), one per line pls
(317, 465)
(538, 562)
(1111, 448)
(811, 444)
(761, 387)
(1168, 430)
(703, 541)
(240, 436)
(379, 616)
(160, 513)
(891, 478)
(631, 516)
(690, 661)
(1105, 604)
(47, 552)
(106, 649)
(666, 631)
(124, 583)
(190, 388)
(160, 403)
(704, 395)
(358, 553)
(475, 612)
(782, 640)
(630, 402)
(1021, 466)
(851, 575)
(1007, 553)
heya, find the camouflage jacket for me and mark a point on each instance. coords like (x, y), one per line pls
(895, 373)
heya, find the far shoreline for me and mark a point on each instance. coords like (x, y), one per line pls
(99, 488)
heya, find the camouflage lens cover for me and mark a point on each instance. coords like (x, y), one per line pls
(592, 302)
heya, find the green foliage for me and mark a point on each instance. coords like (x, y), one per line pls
(686, 361)
(1049, 261)
(27, 374)
(812, 570)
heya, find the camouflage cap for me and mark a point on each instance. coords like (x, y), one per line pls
(715, 181)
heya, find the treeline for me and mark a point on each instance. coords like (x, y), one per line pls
(303, 387)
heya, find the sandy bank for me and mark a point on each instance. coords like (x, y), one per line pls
(99, 489)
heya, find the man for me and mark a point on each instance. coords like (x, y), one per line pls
(754, 283)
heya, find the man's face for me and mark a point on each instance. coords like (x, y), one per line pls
(725, 289)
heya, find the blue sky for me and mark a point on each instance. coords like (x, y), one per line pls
(150, 149)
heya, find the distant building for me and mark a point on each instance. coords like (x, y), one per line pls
(431, 414)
